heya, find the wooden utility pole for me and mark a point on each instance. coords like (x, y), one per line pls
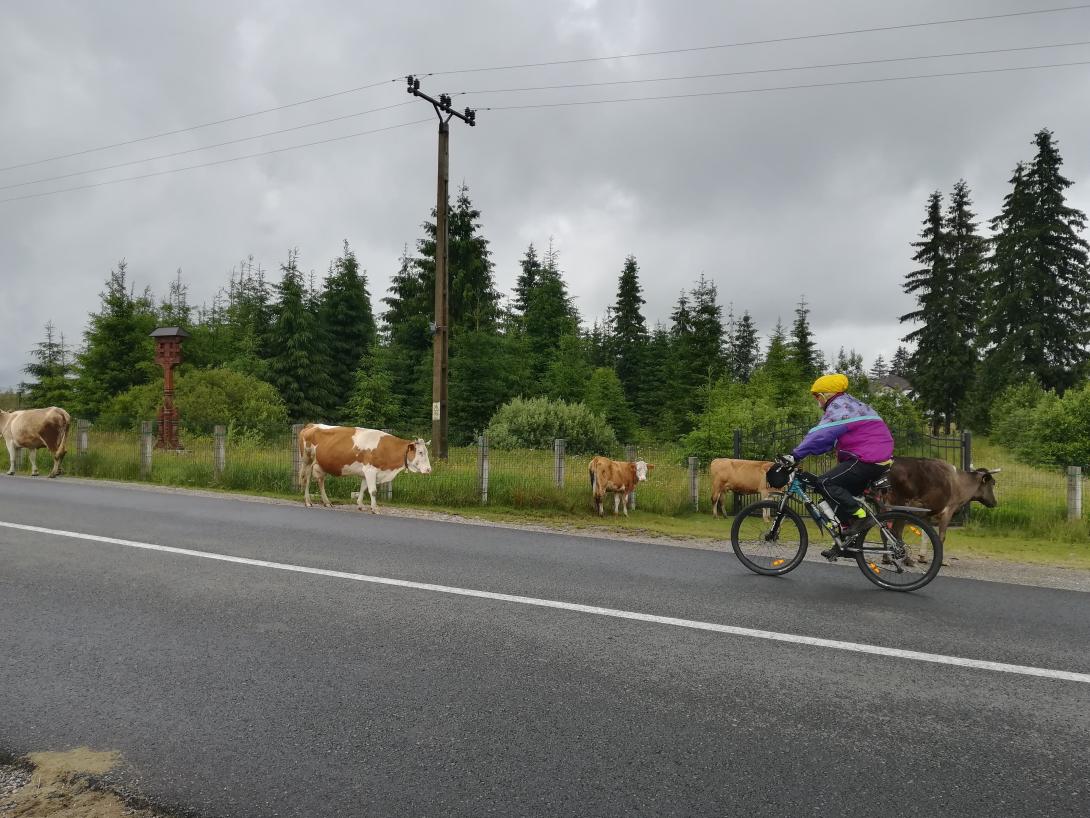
(441, 323)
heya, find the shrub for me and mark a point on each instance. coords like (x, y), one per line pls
(533, 423)
(204, 398)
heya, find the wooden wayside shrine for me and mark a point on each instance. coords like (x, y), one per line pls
(168, 354)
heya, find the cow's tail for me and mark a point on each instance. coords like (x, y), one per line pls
(62, 439)
(592, 480)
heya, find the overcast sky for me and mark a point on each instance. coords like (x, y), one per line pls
(814, 191)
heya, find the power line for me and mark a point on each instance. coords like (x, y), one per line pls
(794, 38)
(783, 87)
(217, 162)
(202, 148)
(769, 41)
(202, 125)
(772, 70)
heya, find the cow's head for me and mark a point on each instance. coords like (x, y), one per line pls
(643, 470)
(416, 457)
(982, 485)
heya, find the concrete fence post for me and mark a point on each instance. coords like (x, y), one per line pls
(219, 451)
(1074, 492)
(147, 444)
(83, 428)
(482, 467)
(296, 458)
(694, 483)
(560, 446)
(630, 456)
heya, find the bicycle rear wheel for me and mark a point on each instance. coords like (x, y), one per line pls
(902, 553)
(770, 546)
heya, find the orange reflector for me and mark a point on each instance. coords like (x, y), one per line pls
(874, 568)
(915, 530)
(778, 563)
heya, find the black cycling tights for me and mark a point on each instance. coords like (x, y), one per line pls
(845, 481)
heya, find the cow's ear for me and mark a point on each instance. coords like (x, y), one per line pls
(650, 467)
(427, 442)
(411, 451)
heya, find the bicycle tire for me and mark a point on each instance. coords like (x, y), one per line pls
(775, 563)
(879, 571)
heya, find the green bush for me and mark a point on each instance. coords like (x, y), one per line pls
(204, 398)
(533, 423)
(1043, 428)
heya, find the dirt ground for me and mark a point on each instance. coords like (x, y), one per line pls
(62, 785)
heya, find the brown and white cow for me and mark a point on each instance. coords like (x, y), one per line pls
(36, 429)
(742, 476)
(617, 476)
(375, 456)
(939, 487)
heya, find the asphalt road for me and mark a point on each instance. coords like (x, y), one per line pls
(241, 689)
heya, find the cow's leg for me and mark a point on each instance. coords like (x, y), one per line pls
(717, 492)
(767, 513)
(617, 504)
(598, 503)
(305, 473)
(321, 488)
(372, 488)
(624, 502)
(32, 456)
(359, 495)
(11, 455)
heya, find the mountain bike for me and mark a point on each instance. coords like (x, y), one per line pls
(898, 550)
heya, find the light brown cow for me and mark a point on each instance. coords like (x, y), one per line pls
(36, 429)
(742, 476)
(617, 476)
(377, 457)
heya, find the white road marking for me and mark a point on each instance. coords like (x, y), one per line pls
(733, 630)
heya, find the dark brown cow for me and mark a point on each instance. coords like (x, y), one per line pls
(36, 429)
(617, 476)
(377, 457)
(939, 487)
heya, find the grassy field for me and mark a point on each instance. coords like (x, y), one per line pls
(1029, 525)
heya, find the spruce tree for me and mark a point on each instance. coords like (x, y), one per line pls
(1038, 306)
(900, 365)
(605, 397)
(569, 371)
(550, 315)
(743, 349)
(51, 370)
(707, 324)
(628, 336)
(174, 311)
(779, 371)
(938, 301)
(527, 279)
(879, 369)
(118, 351)
(296, 363)
(347, 323)
(802, 349)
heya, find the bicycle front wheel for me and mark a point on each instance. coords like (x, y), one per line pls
(768, 540)
(902, 553)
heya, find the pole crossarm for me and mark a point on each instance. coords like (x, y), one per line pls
(443, 105)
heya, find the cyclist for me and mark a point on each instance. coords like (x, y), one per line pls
(864, 452)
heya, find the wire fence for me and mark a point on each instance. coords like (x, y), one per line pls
(1042, 501)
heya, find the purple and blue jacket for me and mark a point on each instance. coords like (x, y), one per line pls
(853, 429)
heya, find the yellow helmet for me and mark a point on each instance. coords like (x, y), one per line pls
(830, 384)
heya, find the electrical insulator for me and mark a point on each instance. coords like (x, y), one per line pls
(416, 84)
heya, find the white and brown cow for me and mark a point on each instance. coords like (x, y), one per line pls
(742, 476)
(342, 451)
(617, 476)
(36, 429)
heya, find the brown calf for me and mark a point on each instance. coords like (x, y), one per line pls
(617, 476)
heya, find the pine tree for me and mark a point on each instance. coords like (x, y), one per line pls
(296, 364)
(174, 311)
(658, 381)
(118, 350)
(802, 349)
(1038, 315)
(347, 323)
(707, 324)
(550, 315)
(52, 370)
(628, 336)
(880, 369)
(780, 369)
